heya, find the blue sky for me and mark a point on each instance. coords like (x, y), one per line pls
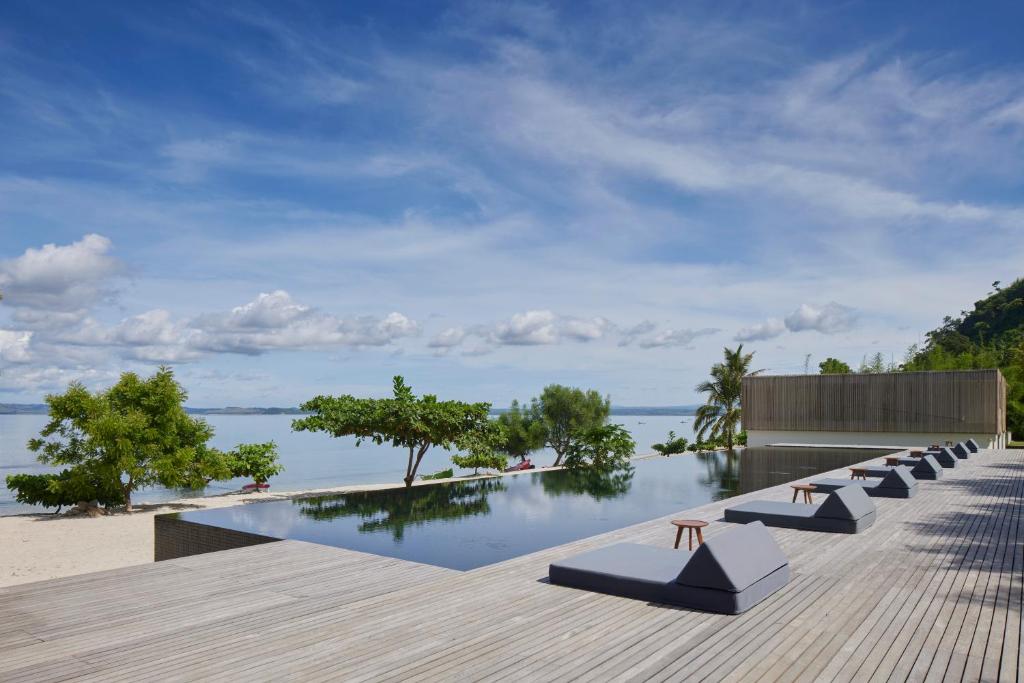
(488, 198)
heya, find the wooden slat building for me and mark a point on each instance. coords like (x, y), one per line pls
(895, 408)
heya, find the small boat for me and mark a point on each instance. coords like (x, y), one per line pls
(256, 487)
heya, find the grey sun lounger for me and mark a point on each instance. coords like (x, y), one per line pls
(729, 573)
(944, 457)
(898, 483)
(846, 510)
(925, 468)
(961, 451)
(972, 445)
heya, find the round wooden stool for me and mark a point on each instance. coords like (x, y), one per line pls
(858, 473)
(691, 524)
(806, 488)
(892, 460)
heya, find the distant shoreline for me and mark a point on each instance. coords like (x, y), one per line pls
(652, 411)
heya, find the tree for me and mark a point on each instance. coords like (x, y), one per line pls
(523, 433)
(256, 461)
(834, 366)
(720, 416)
(67, 488)
(565, 412)
(875, 364)
(606, 448)
(404, 421)
(481, 449)
(134, 434)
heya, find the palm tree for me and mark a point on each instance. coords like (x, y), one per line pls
(719, 417)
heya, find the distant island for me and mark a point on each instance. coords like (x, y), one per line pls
(40, 409)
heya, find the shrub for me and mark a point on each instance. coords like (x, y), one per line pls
(256, 461)
(672, 445)
(443, 474)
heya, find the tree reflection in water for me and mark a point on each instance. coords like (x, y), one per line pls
(722, 472)
(597, 485)
(394, 509)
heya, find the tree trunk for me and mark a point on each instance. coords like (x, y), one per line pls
(410, 470)
(558, 458)
(127, 491)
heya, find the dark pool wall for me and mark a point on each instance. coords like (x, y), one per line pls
(176, 538)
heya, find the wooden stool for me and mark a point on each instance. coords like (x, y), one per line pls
(916, 454)
(892, 460)
(806, 488)
(691, 524)
(858, 473)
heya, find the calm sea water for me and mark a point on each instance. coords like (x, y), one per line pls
(310, 460)
(468, 524)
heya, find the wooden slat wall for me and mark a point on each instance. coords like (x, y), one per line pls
(968, 401)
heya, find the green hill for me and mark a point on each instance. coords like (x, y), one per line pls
(990, 336)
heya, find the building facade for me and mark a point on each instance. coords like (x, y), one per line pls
(899, 409)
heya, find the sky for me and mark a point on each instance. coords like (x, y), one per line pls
(286, 201)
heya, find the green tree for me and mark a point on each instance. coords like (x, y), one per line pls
(481, 449)
(720, 416)
(875, 364)
(565, 412)
(66, 488)
(404, 421)
(606, 448)
(834, 366)
(523, 433)
(134, 434)
(256, 461)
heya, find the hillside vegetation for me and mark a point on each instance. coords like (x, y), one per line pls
(990, 336)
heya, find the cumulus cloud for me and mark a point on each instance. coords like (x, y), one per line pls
(447, 338)
(828, 319)
(631, 334)
(769, 329)
(68, 278)
(682, 337)
(14, 346)
(527, 329)
(831, 318)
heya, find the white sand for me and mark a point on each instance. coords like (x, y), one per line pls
(34, 547)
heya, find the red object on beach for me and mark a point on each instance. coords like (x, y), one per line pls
(255, 487)
(524, 465)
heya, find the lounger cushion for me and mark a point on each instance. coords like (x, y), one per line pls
(733, 561)
(871, 487)
(944, 457)
(961, 451)
(846, 503)
(972, 445)
(795, 516)
(899, 478)
(647, 573)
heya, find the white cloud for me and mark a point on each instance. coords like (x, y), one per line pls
(527, 329)
(828, 319)
(681, 337)
(631, 334)
(769, 329)
(14, 346)
(447, 338)
(60, 278)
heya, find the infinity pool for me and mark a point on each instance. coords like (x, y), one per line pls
(469, 524)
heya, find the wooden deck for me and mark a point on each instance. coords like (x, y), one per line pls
(931, 592)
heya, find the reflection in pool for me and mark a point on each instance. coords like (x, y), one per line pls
(469, 524)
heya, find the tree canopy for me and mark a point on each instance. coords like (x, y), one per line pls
(134, 434)
(834, 366)
(720, 416)
(481, 448)
(523, 432)
(415, 423)
(565, 412)
(256, 461)
(605, 448)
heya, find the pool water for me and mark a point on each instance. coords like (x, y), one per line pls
(470, 524)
